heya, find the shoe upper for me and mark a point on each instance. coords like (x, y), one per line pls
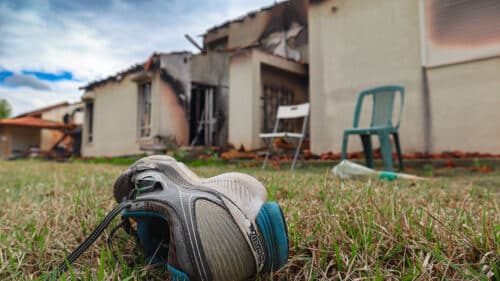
(217, 227)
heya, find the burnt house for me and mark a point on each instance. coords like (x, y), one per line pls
(170, 99)
(226, 94)
(268, 66)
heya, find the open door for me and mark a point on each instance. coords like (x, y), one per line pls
(202, 115)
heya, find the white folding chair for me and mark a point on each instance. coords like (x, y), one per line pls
(287, 112)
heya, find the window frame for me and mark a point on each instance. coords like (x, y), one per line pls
(144, 105)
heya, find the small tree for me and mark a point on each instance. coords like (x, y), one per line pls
(5, 109)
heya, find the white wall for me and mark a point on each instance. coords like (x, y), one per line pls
(242, 93)
(115, 126)
(115, 120)
(465, 101)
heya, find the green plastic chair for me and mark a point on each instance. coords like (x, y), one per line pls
(381, 125)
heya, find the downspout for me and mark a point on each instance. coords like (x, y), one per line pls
(426, 95)
(426, 99)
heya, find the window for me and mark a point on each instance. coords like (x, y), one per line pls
(218, 44)
(272, 97)
(144, 110)
(89, 113)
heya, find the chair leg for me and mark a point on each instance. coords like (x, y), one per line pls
(385, 145)
(269, 149)
(297, 151)
(366, 140)
(398, 150)
(344, 146)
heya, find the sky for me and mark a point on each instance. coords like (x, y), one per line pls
(50, 48)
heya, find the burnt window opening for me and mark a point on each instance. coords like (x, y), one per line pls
(144, 110)
(203, 112)
(272, 97)
(463, 23)
(89, 113)
(219, 44)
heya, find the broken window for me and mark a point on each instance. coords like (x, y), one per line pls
(274, 96)
(219, 44)
(144, 109)
(89, 113)
(203, 115)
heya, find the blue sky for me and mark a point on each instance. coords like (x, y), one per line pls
(49, 48)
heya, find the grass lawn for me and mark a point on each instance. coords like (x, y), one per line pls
(447, 228)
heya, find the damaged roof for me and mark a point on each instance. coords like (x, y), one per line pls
(250, 14)
(34, 122)
(280, 29)
(116, 77)
(283, 13)
(150, 64)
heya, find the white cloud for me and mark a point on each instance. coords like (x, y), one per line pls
(29, 81)
(26, 99)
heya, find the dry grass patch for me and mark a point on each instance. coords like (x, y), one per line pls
(448, 228)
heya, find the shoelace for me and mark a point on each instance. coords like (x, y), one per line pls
(89, 240)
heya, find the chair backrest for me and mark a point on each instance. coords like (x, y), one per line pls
(293, 111)
(383, 106)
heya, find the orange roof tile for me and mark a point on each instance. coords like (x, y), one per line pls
(33, 123)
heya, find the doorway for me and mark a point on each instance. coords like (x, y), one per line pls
(202, 115)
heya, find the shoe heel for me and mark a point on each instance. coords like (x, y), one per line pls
(272, 226)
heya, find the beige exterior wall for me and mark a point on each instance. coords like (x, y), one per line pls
(115, 126)
(246, 32)
(17, 139)
(4, 142)
(245, 91)
(356, 44)
(465, 101)
(115, 120)
(241, 33)
(23, 138)
(243, 94)
(168, 113)
(58, 113)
